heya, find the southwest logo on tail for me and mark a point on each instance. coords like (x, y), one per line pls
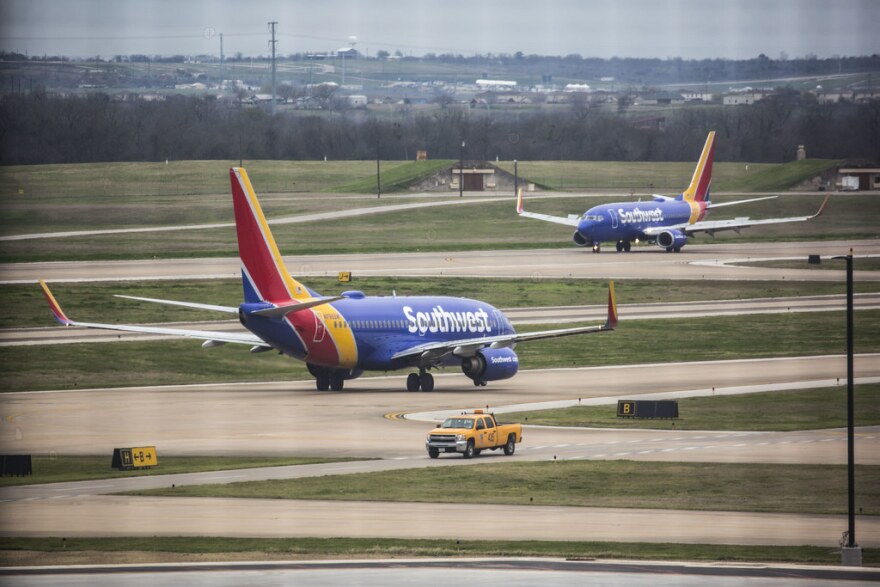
(341, 337)
(665, 221)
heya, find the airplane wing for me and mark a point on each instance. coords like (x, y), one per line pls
(215, 337)
(713, 226)
(568, 221)
(432, 352)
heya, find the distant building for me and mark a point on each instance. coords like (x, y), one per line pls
(659, 98)
(740, 98)
(495, 84)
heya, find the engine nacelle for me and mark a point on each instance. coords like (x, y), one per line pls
(579, 240)
(672, 239)
(491, 365)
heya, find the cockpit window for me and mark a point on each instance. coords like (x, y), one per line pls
(593, 217)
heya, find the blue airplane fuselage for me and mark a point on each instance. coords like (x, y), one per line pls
(627, 221)
(384, 326)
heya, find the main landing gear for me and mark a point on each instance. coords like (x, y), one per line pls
(328, 379)
(421, 380)
(623, 246)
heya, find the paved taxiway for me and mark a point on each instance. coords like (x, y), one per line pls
(291, 418)
(504, 572)
(272, 418)
(696, 261)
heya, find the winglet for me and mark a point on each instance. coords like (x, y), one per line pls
(822, 207)
(54, 305)
(519, 203)
(611, 322)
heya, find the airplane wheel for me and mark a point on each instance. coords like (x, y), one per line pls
(619, 246)
(627, 246)
(412, 382)
(322, 381)
(336, 382)
(426, 381)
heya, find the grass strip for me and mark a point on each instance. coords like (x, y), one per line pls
(804, 489)
(24, 305)
(293, 548)
(64, 468)
(174, 362)
(476, 226)
(807, 409)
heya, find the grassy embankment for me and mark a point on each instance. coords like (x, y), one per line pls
(89, 365)
(805, 409)
(65, 468)
(68, 198)
(42, 551)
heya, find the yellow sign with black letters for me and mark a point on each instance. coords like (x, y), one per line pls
(139, 457)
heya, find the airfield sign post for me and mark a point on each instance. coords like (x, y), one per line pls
(851, 554)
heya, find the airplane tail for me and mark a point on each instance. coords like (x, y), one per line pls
(262, 270)
(698, 190)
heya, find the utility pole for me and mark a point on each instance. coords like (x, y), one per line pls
(221, 61)
(272, 45)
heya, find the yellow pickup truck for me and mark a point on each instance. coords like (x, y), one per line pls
(471, 433)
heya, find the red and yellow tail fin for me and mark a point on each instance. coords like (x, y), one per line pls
(698, 190)
(54, 305)
(263, 273)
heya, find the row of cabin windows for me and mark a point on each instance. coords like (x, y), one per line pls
(374, 324)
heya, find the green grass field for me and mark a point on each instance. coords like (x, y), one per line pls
(479, 226)
(43, 551)
(64, 468)
(88, 365)
(804, 409)
(95, 302)
(810, 489)
(59, 198)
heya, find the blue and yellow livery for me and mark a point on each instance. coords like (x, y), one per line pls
(665, 221)
(342, 336)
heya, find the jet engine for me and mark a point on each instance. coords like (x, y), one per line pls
(579, 240)
(672, 240)
(490, 365)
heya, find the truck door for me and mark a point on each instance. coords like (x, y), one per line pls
(481, 435)
(490, 434)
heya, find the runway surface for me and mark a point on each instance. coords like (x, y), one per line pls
(291, 418)
(650, 262)
(506, 572)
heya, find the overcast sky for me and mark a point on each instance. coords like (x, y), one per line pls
(691, 29)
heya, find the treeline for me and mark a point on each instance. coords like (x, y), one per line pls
(42, 128)
(547, 68)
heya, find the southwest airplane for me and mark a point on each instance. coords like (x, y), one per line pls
(666, 221)
(342, 336)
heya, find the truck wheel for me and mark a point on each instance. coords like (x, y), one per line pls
(510, 446)
(433, 452)
(477, 452)
(469, 450)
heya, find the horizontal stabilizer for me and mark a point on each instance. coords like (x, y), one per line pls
(293, 306)
(193, 305)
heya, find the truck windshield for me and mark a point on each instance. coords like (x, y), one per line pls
(458, 423)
